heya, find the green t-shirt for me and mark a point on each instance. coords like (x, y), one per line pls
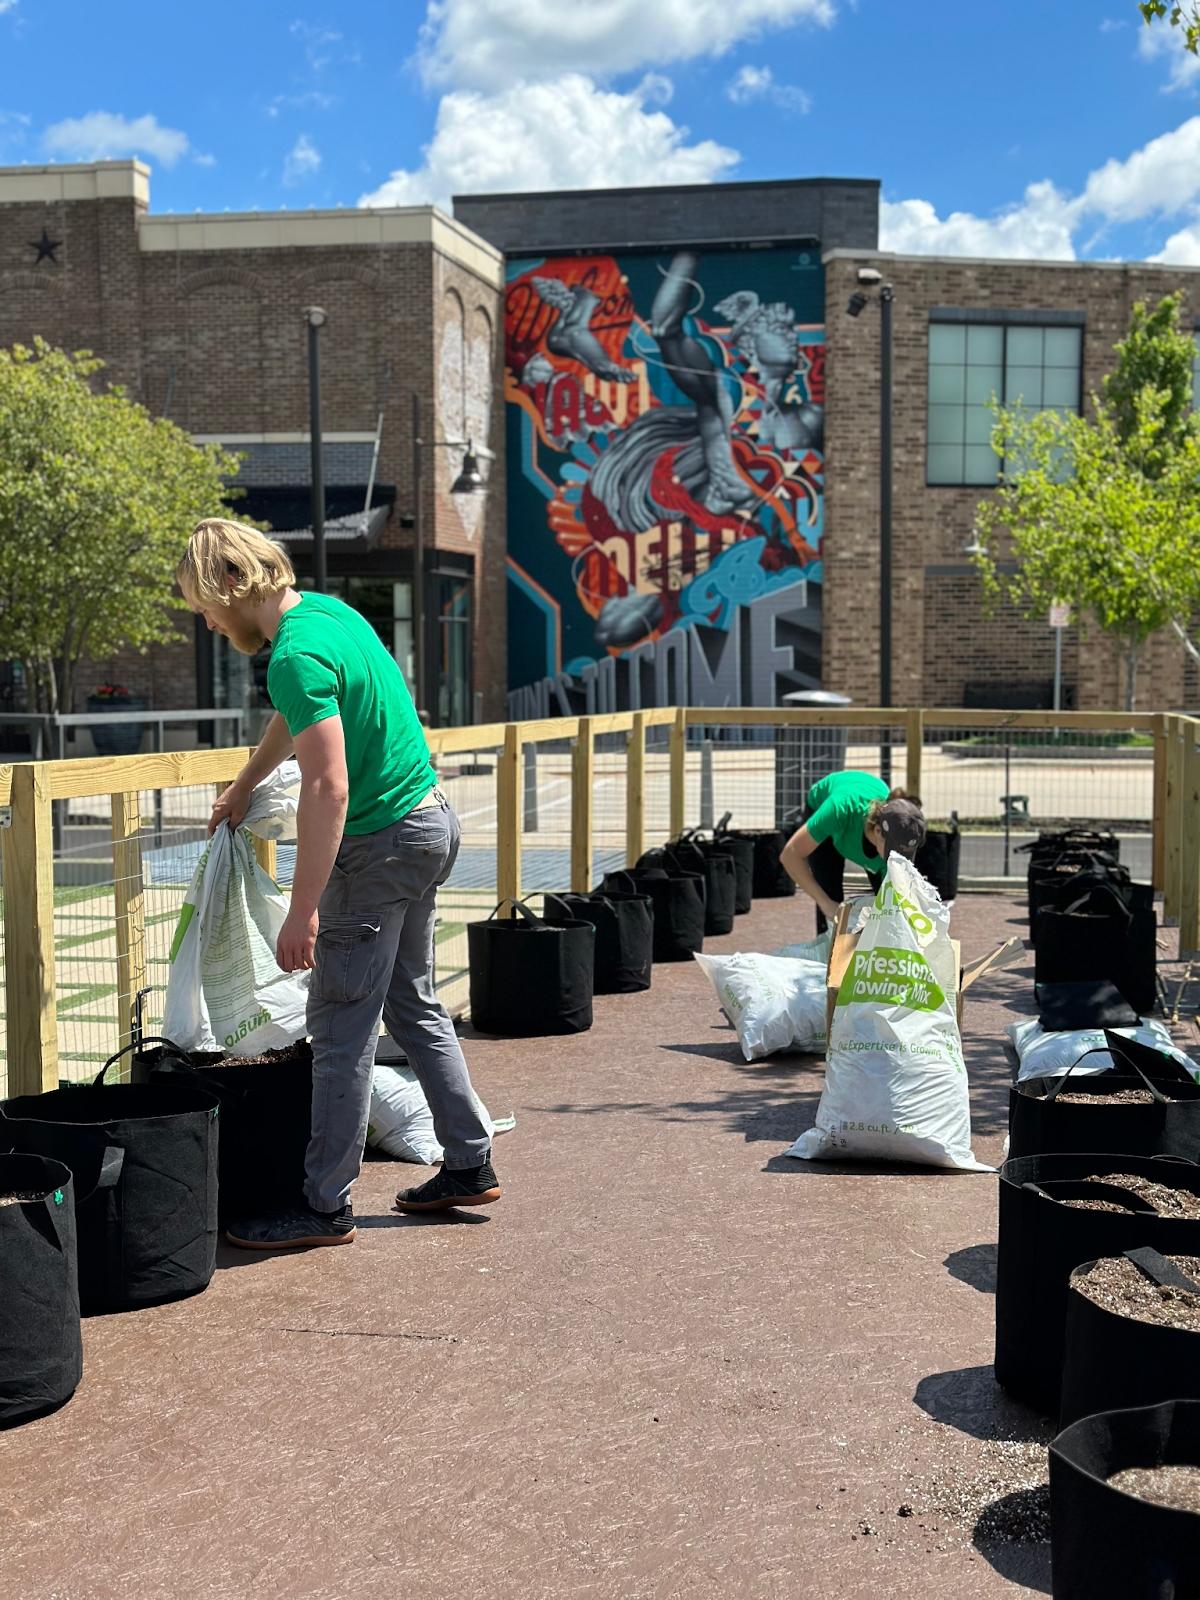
(839, 806)
(327, 661)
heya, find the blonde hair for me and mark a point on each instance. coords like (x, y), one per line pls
(228, 561)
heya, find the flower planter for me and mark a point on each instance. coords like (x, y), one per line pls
(1107, 1544)
(39, 1288)
(117, 738)
(1042, 1240)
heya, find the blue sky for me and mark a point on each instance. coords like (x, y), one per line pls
(1015, 127)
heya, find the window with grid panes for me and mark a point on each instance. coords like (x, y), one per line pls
(969, 364)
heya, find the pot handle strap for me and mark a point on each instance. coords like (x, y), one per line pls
(1102, 889)
(1113, 1050)
(621, 882)
(722, 827)
(1089, 1189)
(518, 905)
(169, 1046)
(1160, 1270)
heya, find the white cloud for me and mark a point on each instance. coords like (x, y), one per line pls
(108, 136)
(1113, 25)
(324, 46)
(1162, 177)
(7, 5)
(493, 44)
(758, 83)
(1162, 43)
(1182, 249)
(204, 160)
(311, 100)
(563, 135)
(1039, 228)
(303, 160)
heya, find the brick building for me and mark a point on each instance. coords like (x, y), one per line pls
(679, 419)
(201, 318)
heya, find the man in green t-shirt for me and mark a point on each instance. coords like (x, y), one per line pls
(375, 840)
(851, 816)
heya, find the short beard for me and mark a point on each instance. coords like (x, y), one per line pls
(246, 641)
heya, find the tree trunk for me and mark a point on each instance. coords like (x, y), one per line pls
(1131, 665)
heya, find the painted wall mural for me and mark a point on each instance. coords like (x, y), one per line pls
(665, 471)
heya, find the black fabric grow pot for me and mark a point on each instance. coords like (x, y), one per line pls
(1042, 1242)
(266, 1117)
(1056, 883)
(41, 1348)
(742, 852)
(624, 924)
(529, 977)
(937, 859)
(1109, 1545)
(1115, 1361)
(717, 871)
(678, 901)
(769, 879)
(144, 1160)
(1039, 1123)
(1090, 1003)
(1101, 938)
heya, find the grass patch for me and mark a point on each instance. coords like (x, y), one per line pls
(1073, 738)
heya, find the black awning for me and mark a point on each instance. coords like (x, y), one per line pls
(287, 509)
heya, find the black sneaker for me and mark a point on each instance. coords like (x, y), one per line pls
(294, 1229)
(468, 1186)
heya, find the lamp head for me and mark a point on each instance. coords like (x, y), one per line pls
(856, 304)
(470, 480)
(870, 275)
(315, 316)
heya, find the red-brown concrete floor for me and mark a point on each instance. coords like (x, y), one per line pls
(670, 1362)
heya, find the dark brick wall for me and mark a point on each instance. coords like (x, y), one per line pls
(941, 639)
(838, 212)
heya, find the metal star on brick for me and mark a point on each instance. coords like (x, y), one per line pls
(45, 247)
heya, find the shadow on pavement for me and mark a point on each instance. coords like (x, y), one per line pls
(975, 1265)
(971, 1400)
(1021, 1562)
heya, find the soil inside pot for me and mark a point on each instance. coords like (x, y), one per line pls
(1173, 1485)
(1100, 1205)
(1118, 1286)
(1168, 1202)
(17, 1197)
(1122, 1097)
(288, 1056)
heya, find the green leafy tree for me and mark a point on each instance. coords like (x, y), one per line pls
(1100, 515)
(1157, 354)
(96, 500)
(1186, 17)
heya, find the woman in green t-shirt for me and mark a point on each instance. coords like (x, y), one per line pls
(851, 816)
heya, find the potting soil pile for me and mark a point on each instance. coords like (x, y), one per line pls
(1116, 1285)
(225, 990)
(895, 1081)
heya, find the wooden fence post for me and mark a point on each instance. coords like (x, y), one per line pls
(583, 777)
(128, 894)
(266, 853)
(1174, 820)
(1158, 846)
(635, 790)
(508, 816)
(1189, 862)
(29, 970)
(914, 750)
(678, 773)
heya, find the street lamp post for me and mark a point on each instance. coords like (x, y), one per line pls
(314, 316)
(469, 481)
(871, 277)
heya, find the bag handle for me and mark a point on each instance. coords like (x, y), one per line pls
(1160, 1270)
(1101, 888)
(530, 917)
(112, 1163)
(1174, 1070)
(1114, 1050)
(621, 882)
(1089, 1189)
(140, 1044)
(722, 827)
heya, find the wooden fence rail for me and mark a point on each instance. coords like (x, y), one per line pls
(29, 789)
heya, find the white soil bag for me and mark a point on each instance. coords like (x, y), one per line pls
(774, 1002)
(225, 990)
(895, 1082)
(401, 1123)
(1045, 1055)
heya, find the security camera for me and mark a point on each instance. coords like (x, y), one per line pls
(869, 275)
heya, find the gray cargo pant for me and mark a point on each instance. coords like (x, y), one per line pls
(374, 957)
